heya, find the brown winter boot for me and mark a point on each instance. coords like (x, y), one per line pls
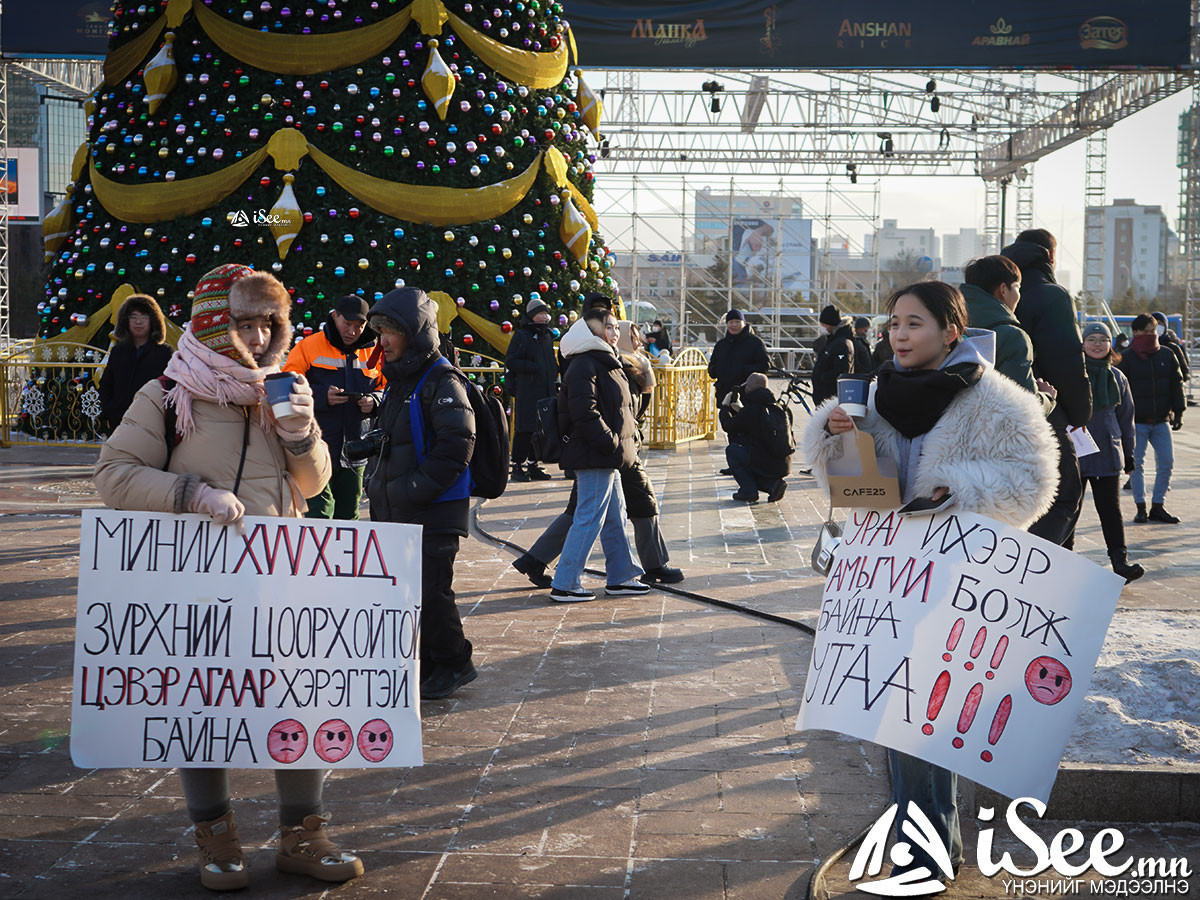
(222, 867)
(306, 850)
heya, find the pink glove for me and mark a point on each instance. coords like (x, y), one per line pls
(224, 506)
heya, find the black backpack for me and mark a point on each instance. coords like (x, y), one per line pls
(777, 436)
(492, 454)
(547, 439)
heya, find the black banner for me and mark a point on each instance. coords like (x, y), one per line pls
(788, 34)
(55, 28)
(874, 34)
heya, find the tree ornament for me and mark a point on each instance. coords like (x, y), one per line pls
(574, 230)
(286, 217)
(438, 82)
(160, 74)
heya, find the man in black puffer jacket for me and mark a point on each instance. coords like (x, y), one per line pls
(736, 355)
(1158, 405)
(428, 487)
(835, 359)
(596, 419)
(1047, 313)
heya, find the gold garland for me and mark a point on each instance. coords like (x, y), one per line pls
(448, 311)
(158, 202)
(306, 54)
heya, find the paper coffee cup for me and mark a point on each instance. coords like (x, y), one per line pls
(279, 389)
(852, 395)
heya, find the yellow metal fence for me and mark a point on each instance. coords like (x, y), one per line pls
(49, 394)
(684, 407)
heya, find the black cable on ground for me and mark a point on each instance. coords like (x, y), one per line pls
(678, 592)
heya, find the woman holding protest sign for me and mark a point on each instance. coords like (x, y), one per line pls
(958, 430)
(204, 439)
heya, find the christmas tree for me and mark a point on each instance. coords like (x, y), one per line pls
(348, 146)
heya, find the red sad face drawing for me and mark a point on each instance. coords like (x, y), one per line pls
(375, 740)
(333, 741)
(1047, 680)
(287, 741)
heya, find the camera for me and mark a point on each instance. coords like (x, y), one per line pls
(371, 443)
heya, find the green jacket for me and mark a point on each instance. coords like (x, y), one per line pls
(1014, 349)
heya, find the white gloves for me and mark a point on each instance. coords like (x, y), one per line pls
(224, 506)
(301, 421)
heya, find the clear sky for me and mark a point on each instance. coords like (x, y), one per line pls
(1141, 165)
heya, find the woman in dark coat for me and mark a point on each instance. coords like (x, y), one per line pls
(532, 375)
(1111, 427)
(140, 355)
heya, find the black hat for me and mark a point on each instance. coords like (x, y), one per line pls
(597, 300)
(861, 322)
(734, 314)
(829, 315)
(353, 308)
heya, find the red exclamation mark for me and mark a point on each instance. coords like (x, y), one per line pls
(952, 641)
(976, 647)
(997, 656)
(998, 722)
(936, 698)
(970, 707)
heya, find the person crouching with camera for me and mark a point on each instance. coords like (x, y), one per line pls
(347, 387)
(423, 446)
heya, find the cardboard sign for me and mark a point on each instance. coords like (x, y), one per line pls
(959, 640)
(859, 479)
(293, 645)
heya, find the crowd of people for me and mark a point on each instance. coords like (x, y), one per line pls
(374, 394)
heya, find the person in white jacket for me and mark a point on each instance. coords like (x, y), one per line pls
(953, 424)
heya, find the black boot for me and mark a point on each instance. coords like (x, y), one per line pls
(533, 569)
(519, 473)
(1123, 567)
(1158, 514)
(537, 473)
(1141, 518)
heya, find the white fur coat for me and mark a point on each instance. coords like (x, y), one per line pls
(992, 448)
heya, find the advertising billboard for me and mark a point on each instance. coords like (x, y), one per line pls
(21, 183)
(874, 34)
(54, 28)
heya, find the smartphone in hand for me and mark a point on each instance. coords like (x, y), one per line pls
(927, 506)
(351, 397)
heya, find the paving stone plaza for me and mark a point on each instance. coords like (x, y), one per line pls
(631, 747)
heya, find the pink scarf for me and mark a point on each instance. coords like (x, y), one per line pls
(204, 373)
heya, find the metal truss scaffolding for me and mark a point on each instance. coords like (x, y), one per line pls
(1095, 191)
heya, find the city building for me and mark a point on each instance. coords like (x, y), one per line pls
(1136, 241)
(959, 249)
(917, 244)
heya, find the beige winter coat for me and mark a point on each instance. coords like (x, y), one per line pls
(129, 474)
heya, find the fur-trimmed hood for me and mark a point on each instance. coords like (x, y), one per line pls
(992, 448)
(140, 303)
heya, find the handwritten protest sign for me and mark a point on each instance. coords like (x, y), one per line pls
(959, 640)
(291, 645)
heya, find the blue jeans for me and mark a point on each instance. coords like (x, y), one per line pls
(933, 789)
(599, 512)
(1157, 436)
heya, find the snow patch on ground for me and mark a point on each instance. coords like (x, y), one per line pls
(1144, 702)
